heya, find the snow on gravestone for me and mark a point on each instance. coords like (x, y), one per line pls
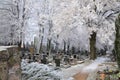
(9, 63)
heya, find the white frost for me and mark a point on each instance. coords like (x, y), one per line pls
(95, 64)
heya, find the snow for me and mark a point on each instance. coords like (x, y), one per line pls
(5, 47)
(34, 71)
(69, 72)
(94, 65)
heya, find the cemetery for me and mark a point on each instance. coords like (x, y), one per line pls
(59, 39)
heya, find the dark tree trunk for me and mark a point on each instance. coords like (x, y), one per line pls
(41, 45)
(64, 47)
(68, 48)
(49, 46)
(117, 41)
(92, 46)
(73, 50)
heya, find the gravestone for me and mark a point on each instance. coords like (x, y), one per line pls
(57, 60)
(10, 63)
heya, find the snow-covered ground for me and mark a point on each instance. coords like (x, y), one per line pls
(37, 71)
(5, 47)
(94, 65)
(73, 70)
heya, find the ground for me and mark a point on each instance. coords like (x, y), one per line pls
(84, 71)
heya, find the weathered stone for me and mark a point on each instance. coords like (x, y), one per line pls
(12, 50)
(3, 70)
(14, 64)
(14, 57)
(10, 64)
(4, 55)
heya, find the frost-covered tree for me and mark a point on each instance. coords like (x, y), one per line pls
(9, 21)
(12, 14)
(41, 24)
(73, 22)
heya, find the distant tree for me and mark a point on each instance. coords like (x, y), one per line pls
(49, 39)
(64, 50)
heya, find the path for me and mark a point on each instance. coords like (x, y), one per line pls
(89, 71)
(83, 71)
(73, 70)
(81, 76)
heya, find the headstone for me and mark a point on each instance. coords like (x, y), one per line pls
(3, 71)
(57, 62)
(44, 58)
(66, 60)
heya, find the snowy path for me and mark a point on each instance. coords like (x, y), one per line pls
(73, 70)
(83, 70)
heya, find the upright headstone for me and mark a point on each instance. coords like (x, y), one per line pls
(57, 60)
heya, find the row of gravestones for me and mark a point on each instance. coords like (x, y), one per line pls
(10, 64)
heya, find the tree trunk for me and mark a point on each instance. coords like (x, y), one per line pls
(49, 46)
(68, 48)
(117, 41)
(73, 50)
(41, 45)
(64, 50)
(92, 46)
